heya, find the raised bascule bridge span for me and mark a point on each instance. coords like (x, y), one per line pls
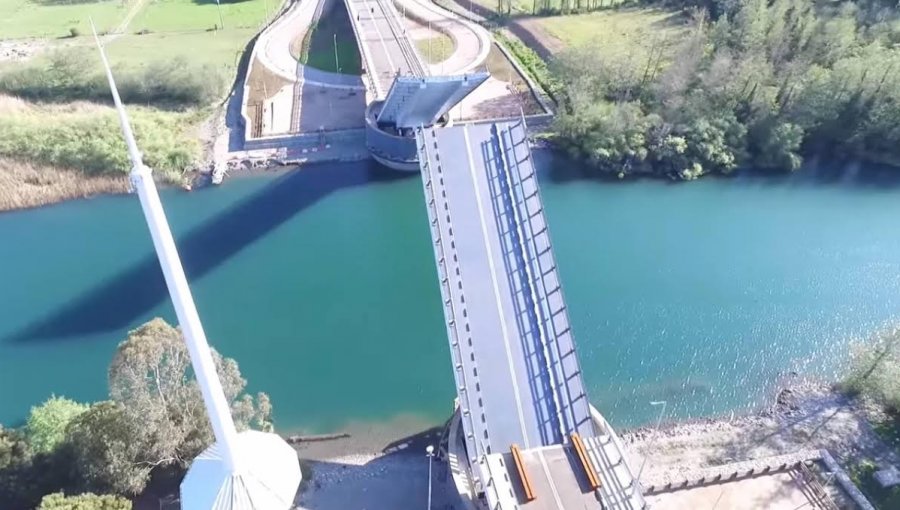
(524, 434)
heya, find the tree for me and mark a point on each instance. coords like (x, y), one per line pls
(834, 39)
(88, 501)
(777, 144)
(13, 448)
(15, 458)
(46, 425)
(151, 378)
(25, 477)
(108, 451)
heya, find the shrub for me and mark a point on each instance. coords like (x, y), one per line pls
(74, 32)
(533, 64)
(92, 141)
(875, 368)
(24, 477)
(63, 77)
(46, 426)
(88, 501)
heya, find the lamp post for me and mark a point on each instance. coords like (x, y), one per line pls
(429, 452)
(655, 433)
(221, 20)
(337, 64)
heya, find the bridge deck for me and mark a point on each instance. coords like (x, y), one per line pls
(515, 365)
(383, 42)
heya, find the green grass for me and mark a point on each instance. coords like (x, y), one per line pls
(616, 31)
(221, 49)
(888, 428)
(883, 499)
(320, 53)
(87, 138)
(54, 18)
(188, 15)
(435, 49)
(526, 7)
(529, 60)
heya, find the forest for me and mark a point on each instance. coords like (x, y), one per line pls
(755, 83)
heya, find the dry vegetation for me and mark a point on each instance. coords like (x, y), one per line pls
(54, 152)
(24, 185)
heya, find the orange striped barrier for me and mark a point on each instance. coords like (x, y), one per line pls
(581, 451)
(523, 475)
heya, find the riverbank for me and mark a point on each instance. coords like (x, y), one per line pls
(809, 414)
(385, 465)
(26, 185)
(380, 466)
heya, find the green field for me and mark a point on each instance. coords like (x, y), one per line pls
(168, 28)
(526, 7)
(190, 15)
(175, 95)
(616, 31)
(54, 18)
(435, 49)
(221, 49)
(333, 32)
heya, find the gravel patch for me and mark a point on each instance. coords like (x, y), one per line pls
(807, 415)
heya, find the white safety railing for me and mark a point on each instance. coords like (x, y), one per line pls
(531, 279)
(533, 258)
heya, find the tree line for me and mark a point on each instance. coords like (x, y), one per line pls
(152, 426)
(763, 84)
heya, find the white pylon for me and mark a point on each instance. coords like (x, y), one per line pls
(248, 471)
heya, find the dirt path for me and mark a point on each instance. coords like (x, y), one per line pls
(123, 26)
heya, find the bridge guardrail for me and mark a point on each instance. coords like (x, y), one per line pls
(518, 245)
(409, 52)
(463, 382)
(363, 49)
(533, 258)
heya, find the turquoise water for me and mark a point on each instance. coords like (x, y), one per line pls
(321, 283)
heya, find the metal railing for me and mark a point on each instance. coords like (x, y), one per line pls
(409, 53)
(533, 257)
(464, 387)
(364, 50)
(531, 279)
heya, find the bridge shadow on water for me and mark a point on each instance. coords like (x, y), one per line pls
(120, 301)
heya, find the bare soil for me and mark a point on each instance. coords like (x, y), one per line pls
(20, 50)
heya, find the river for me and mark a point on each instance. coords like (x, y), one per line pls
(321, 284)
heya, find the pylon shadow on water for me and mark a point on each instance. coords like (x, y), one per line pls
(120, 301)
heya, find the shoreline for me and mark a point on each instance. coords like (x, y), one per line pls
(379, 459)
(29, 186)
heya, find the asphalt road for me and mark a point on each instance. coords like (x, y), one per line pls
(388, 49)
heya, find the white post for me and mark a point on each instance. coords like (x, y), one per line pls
(201, 357)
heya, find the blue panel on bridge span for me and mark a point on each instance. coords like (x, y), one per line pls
(414, 101)
(514, 360)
